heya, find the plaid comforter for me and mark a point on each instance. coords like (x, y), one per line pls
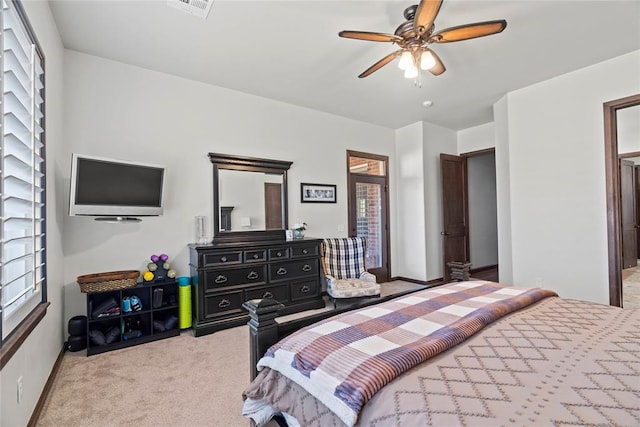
(344, 360)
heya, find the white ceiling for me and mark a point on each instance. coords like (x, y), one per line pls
(290, 50)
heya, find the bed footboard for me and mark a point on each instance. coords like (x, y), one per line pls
(263, 329)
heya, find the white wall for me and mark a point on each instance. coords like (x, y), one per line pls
(483, 227)
(36, 356)
(409, 245)
(121, 111)
(436, 140)
(503, 190)
(418, 243)
(555, 136)
(476, 138)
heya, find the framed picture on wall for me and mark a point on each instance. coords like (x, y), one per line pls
(317, 193)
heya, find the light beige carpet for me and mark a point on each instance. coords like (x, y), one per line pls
(179, 381)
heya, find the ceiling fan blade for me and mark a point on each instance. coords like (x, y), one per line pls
(425, 15)
(384, 61)
(469, 31)
(369, 36)
(439, 68)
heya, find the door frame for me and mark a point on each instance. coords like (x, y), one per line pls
(612, 176)
(465, 156)
(351, 209)
(267, 206)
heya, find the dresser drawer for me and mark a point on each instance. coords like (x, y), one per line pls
(304, 290)
(209, 259)
(298, 251)
(278, 293)
(279, 253)
(290, 270)
(223, 304)
(255, 256)
(215, 279)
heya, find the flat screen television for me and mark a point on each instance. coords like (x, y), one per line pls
(120, 190)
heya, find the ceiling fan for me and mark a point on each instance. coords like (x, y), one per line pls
(416, 34)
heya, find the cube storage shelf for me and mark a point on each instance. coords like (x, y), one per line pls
(142, 320)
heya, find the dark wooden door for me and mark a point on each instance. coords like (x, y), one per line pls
(455, 240)
(628, 212)
(273, 205)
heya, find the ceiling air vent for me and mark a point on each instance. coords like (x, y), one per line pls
(198, 8)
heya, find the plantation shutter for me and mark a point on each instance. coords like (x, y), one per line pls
(22, 163)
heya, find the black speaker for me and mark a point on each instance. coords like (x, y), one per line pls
(78, 326)
(76, 343)
(157, 298)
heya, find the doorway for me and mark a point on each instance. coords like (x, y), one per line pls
(630, 227)
(273, 205)
(613, 145)
(368, 208)
(469, 202)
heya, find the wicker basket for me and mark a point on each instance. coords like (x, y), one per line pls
(109, 281)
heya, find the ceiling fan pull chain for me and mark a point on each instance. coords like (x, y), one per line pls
(418, 81)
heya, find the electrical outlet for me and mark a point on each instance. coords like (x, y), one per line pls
(19, 389)
(340, 228)
(539, 281)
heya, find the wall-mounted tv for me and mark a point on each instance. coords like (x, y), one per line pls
(115, 188)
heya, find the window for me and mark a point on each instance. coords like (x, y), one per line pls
(368, 207)
(22, 174)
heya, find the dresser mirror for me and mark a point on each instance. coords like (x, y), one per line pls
(249, 198)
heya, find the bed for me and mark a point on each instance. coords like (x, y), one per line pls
(466, 353)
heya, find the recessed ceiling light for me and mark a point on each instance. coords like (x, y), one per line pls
(427, 104)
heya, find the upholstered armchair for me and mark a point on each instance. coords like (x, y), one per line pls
(343, 264)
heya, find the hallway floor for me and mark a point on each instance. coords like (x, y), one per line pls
(631, 287)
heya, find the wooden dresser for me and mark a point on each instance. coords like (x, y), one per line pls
(225, 275)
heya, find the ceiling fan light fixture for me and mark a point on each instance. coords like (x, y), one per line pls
(415, 35)
(406, 61)
(427, 61)
(411, 72)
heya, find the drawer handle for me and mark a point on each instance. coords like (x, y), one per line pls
(278, 253)
(305, 289)
(224, 303)
(305, 251)
(252, 275)
(221, 279)
(267, 295)
(223, 259)
(281, 271)
(256, 256)
(306, 267)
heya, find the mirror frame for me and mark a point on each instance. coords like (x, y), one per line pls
(249, 164)
(614, 215)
